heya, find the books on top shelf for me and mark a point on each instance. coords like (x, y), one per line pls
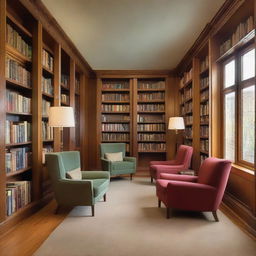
(47, 86)
(18, 195)
(45, 107)
(151, 147)
(17, 132)
(151, 137)
(47, 60)
(151, 96)
(151, 85)
(15, 71)
(17, 159)
(151, 127)
(18, 103)
(150, 107)
(117, 85)
(115, 108)
(47, 131)
(16, 40)
(115, 127)
(241, 31)
(115, 136)
(115, 97)
(114, 118)
(65, 80)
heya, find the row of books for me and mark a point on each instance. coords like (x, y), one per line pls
(47, 131)
(151, 147)
(204, 64)
(15, 39)
(188, 107)
(45, 107)
(115, 127)
(204, 82)
(17, 132)
(65, 80)
(17, 159)
(115, 136)
(115, 97)
(188, 133)
(182, 110)
(204, 131)
(188, 120)
(46, 149)
(18, 195)
(204, 119)
(150, 118)
(16, 102)
(150, 107)
(204, 145)
(188, 94)
(186, 77)
(151, 136)
(115, 108)
(77, 85)
(15, 71)
(241, 31)
(116, 118)
(151, 96)
(47, 60)
(151, 85)
(204, 109)
(121, 85)
(64, 98)
(204, 95)
(47, 86)
(203, 157)
(151, 127)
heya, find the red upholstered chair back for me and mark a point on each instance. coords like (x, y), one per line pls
(184, 156)
(214, 172)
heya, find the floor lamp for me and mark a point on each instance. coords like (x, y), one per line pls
(61, 117)
(176, 123)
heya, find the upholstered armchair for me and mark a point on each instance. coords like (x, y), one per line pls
(126, 166)
(195, 193)
(91, 188)
(181, 162)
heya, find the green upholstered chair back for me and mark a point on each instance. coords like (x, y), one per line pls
(112, 148)
(61, 162)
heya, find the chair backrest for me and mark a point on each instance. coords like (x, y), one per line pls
(214, 172)
(59, 163)
(112, 148)
(184, 155)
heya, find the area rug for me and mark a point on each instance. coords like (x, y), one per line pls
(130, 224)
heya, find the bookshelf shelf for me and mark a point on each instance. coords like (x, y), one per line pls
(16, 54)
(116, 102)
(115, 90)
(204, 71)
(114, 122)
(17, 85)
(18, 144)
(18, 113)
(204, 152)
(151, 90)
(151, 101)
(47, 71)
(47, 95)
(11, 174)
(151, 112)
(116, 112)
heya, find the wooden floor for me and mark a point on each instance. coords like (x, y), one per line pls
(29, 234)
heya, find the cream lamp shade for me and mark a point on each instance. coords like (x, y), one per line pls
(176, 123)
(61, 117)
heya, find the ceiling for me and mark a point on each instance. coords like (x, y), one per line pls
(133, 34)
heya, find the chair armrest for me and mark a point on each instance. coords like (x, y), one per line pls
(95, 175)
(167, 169)
(106, 165)
(187, 178)
(130, 159)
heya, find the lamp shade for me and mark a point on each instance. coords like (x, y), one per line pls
(176, 123)
(61, 117)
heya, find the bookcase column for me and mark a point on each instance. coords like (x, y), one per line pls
(134, 141)
(37, 110)
(2, 109)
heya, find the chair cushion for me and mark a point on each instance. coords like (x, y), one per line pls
(122, 165)
(75, 174)
(99, 185)
(114, 157)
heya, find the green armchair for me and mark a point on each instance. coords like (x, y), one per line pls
(127, 166)
(69, 192)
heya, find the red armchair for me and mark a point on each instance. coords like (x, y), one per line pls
(181, 162)
(195, 193)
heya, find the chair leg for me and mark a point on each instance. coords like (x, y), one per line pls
(57, 209)
(151, 179)
(214, 213)
(105, 197)
(92, 210)
(167, 213)
(159, 203)
(131, 176)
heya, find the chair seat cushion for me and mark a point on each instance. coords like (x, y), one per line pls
(124, 165)
(99, 185)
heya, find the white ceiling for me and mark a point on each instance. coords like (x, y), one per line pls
(133, 34)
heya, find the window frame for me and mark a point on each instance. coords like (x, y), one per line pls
(237, 88)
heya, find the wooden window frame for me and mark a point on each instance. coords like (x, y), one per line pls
(237, 88)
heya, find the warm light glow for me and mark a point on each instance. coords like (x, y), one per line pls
(176, 123)
(61, 117)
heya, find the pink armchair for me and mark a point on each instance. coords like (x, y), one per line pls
(195, 193)
(182, 161)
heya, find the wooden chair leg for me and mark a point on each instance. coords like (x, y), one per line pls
(159, 203)
(92, 210)
(105, 197)
(57, 209)
(214, 213)
(167, 213)
(151, 179)
(131, 176)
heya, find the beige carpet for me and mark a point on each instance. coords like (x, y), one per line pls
(130, 224)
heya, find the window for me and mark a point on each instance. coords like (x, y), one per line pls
(239, 107)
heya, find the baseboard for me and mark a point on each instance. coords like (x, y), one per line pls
(239, 214)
